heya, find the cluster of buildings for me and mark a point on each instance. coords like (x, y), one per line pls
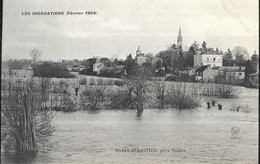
(208, 67)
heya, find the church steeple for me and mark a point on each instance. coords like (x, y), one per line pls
(179, 38)
(180, 31)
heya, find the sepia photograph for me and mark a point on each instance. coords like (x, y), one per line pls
(130, 81)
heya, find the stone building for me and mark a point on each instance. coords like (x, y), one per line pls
(232, 74)
(205, 74)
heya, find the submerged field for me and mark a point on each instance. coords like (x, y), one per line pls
(204, 134)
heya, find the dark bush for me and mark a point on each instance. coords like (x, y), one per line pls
(226, 91)
(83, 81)
(108, 82)
(93, 97)
(92, 81)
(100, 81)
(118, 83)
(121, 99)
(111, 72)
(171, 78)
(51, 70)
(183, 96)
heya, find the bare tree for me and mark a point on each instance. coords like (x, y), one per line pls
(35, 54)
(183, 96)
(240, 54)
(227, 91)
(62, 97)
(137, 87)
(161, 93)
(24, 123)
(45, 87)
(65, 97)
(208, 89)
(93, 97)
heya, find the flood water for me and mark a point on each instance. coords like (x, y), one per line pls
(203, 135)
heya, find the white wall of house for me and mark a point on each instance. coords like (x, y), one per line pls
(140, 60)
(97, 67)
(214, 60)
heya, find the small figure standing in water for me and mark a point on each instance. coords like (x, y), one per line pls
(219, 107)
(208, 103)
(213, 102)
(76, 90)
(238, 108)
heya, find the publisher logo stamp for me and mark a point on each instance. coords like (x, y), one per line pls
(235, 133)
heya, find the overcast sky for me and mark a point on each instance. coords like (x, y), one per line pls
(121, 25)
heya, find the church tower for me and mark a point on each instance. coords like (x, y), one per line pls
(179, 39)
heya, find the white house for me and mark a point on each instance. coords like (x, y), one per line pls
(214, 60)
(141, 60)
(69, 67)
(97, 67)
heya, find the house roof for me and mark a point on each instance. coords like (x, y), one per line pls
(215, 68)
(154, 60)
(97, 64)
(232, 69)
(201, 69)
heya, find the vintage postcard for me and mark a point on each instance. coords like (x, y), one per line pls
(130, 81)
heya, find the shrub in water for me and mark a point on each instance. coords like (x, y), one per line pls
(183, 96)
(24, 122)
(93, 97)
(92, 81)
(226, 91)
(100, 81)
(108, 82)
(118, 83)
(83, 81)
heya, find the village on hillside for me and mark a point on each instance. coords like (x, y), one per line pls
(197, 64)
